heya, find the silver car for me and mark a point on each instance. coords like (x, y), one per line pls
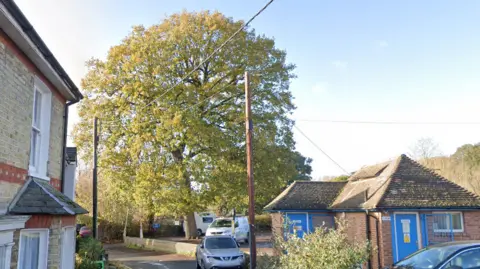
(222, 251)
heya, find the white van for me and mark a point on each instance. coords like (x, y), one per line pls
(223, 226)
(202, 220)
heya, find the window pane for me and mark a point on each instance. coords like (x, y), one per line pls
(37, 106)
(457, 221)
(441, 222)
(34, 146)
(3, 257)
(29, 250)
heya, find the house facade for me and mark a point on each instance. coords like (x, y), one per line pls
(37, 218)
(399, 206)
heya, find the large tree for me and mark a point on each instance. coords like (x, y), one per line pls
(181, 150)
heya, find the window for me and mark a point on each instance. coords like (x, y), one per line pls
(3, 257)
(207, 219)
(68, 248)
(33, 249)
(448, 222)
(467, 260)
(40, 135)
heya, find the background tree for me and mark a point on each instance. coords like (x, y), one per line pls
(425, 148)
(179, 151)
(303, 165)
(340, 178)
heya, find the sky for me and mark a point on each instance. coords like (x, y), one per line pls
(371, 61)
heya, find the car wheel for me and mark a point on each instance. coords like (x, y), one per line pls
(199, 232)
(246, 239)
(198, 265)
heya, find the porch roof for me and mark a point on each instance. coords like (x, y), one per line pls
(37, 196)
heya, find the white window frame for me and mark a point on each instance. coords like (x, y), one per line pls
(448, 223)
(41, 151)
(6, 240)
(42, 252)
(64, 249)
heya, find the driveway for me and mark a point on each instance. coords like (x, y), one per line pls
(147, 259)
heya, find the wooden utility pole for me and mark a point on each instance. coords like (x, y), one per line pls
(251, 186)
(95, 191)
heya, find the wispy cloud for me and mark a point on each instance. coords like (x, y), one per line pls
(382, 43)
(320, 87)
(340, 64)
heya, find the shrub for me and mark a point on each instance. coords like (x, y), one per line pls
(321, 249)
(89, 251)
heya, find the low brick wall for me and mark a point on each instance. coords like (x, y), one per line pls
(161, 245)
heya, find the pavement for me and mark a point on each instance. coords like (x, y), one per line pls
(147, 259)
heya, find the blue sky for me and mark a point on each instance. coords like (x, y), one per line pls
(356, 60)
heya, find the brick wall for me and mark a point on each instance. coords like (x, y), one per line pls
(277, 224)
(356, 226)
(386, 254)
(17, 76)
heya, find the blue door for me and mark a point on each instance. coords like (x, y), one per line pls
(406, 234)
(297, 223)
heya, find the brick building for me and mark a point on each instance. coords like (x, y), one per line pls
(400, 206)
(37, 212)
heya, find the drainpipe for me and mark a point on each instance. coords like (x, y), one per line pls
(367, 224)
(377, 221)
(64, 152)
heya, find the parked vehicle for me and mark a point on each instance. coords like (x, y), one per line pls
(223, 226)
(451, 255)
(85, 231)
(202, 221)
(220, 251)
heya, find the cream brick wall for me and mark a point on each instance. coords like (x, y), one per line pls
(16, 106)
(56, 138)
(7, 192)
(54, 243)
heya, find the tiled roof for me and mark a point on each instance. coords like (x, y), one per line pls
(413, 185)
(37, 196)
(401, 183)
(309, 195)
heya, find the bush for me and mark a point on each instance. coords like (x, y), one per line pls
(89, 251)
(321, 249)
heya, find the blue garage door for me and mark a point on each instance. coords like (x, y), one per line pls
(297, 223)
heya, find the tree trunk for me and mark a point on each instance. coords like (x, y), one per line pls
(141, 229)
(125, 227)
(190, 226)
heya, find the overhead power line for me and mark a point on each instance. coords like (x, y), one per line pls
(213, 53)
(388, 122)
(321, 150)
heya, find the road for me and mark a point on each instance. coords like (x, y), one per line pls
(146, 259)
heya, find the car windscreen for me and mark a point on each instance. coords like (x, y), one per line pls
(221, 223)
(427, 258)
(220, 243)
